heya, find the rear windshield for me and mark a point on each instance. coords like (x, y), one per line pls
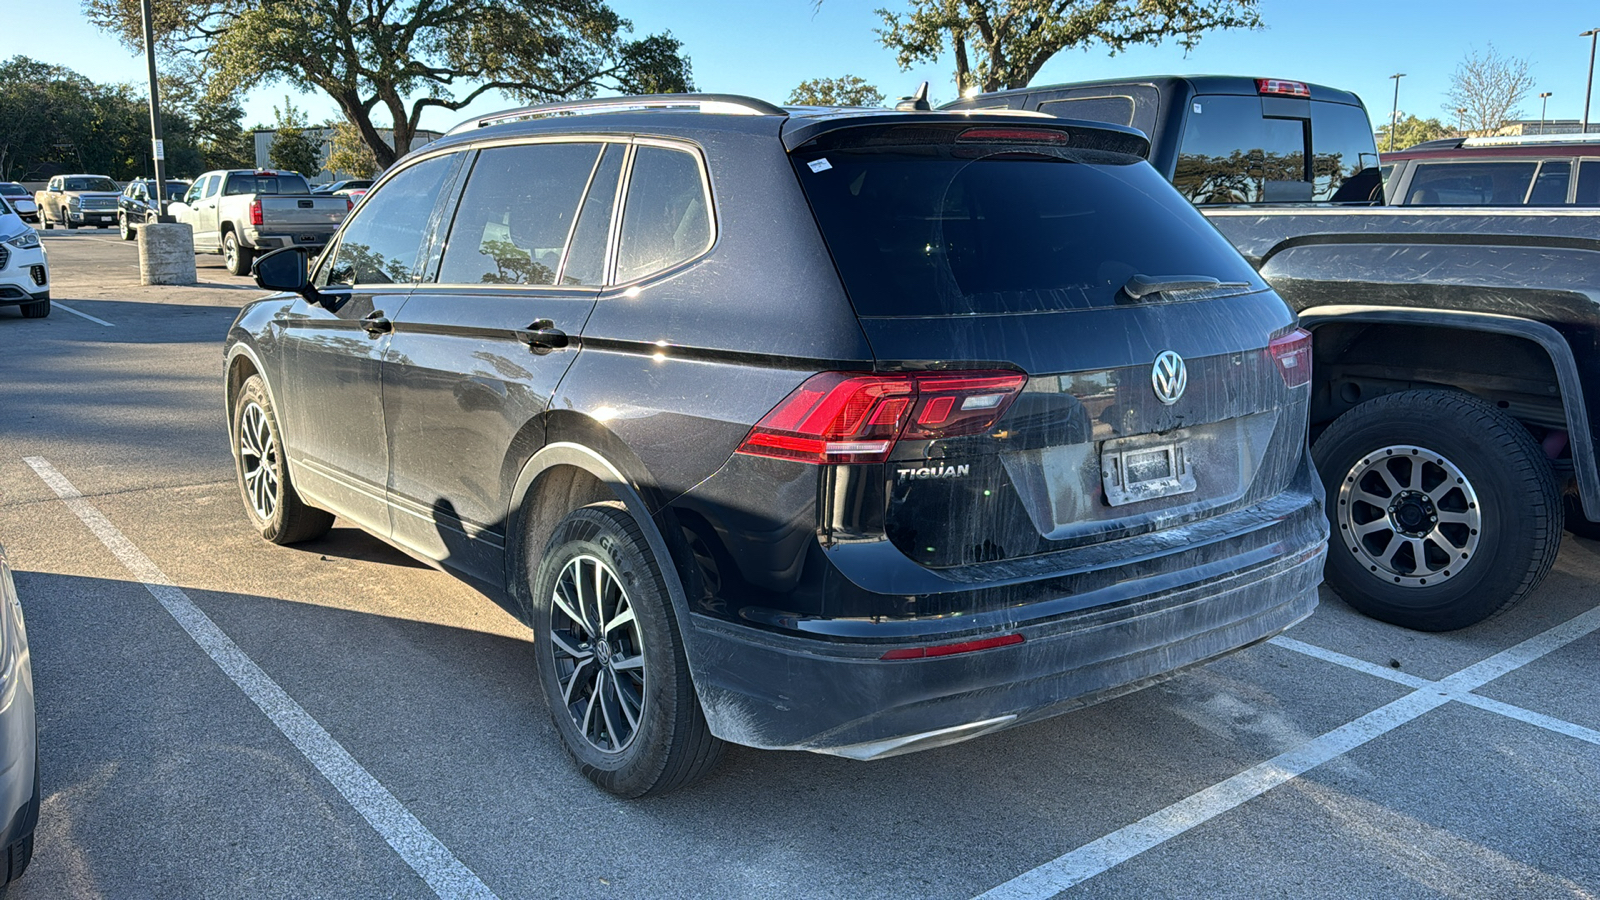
(90, 184)
(925, 233)
(14, 190)
(282, 183)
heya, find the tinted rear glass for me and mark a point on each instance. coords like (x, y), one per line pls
(91, 184)
(925, 233)
(1344, 157)
(283, 183)
(14, 190)
(1589, 183)
(1232, 154)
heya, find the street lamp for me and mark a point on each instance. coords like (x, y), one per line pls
(1395, 114)
(1461, 120)
(1588, 88)
(1544, 103)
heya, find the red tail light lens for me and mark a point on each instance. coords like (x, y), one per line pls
(1282, 88)
(1005, 640)
(1292, 354)
(841, 417)
(255, 211)
(1012, 136)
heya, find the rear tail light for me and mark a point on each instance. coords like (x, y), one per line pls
(1292, 354)
(349, 204)
(1282, 88)
(255, 212)
(843, 417)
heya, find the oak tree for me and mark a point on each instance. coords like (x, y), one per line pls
(847, 90)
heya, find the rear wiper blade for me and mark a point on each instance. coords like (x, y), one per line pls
(1141, 286)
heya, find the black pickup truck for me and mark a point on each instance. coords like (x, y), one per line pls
(1456, 352)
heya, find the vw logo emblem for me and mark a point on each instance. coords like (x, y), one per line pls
(1169, 376)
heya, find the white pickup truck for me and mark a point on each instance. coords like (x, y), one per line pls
(242, 212)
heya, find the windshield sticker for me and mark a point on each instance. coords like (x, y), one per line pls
(1197, 107)
(820, 165)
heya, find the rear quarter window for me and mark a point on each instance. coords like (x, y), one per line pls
(666, 218)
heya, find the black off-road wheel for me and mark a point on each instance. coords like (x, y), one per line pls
(611, 658)
(1444, 509)
(269, 498)
(38, 309)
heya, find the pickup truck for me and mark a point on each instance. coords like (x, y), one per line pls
(242, 212)
(74, 200)
(1456, 353)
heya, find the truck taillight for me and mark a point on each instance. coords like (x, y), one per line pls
(255, 212)
(1292, 355)
(848, 417)
(1282, 88)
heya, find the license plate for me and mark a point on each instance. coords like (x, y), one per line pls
(1131, 473)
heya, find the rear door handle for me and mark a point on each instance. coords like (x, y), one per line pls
(375, 324)
(542, 336)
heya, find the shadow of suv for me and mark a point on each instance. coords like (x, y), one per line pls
(858, 432)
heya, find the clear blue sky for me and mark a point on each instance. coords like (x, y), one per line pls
(766, 47)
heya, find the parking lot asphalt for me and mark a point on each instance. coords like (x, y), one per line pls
(220, 717)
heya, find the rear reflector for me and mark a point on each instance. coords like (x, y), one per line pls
(1013, 136)
(845, 417)
(1004, 640)
(1282, 88)
(1292, 354)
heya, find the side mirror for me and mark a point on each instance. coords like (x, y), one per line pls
(285, 270)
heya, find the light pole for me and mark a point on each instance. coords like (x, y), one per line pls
(1588, 87)
(1544, 103)
(158, 149)
(1461, 120)
(1394, 116)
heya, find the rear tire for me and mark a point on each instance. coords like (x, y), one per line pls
(235, 256)
(38, 309)
(1444, 509)
(124, 230)
(626, 711)
(269, 497)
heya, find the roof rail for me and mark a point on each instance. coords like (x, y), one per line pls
(1512, 140)
(720, 104)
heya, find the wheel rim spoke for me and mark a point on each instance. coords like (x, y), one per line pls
(599, 653)
(1402, 529)
(258, 460)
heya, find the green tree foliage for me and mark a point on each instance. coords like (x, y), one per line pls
(1490, 87)
(349, 156)
(846, 91)
(401, 57)
(292, 147)
(1003, 43)
(1412, 131)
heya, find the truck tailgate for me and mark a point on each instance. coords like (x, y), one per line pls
(298, 211)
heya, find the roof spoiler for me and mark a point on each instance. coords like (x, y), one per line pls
(941, 126)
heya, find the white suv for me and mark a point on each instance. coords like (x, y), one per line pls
(24, 267)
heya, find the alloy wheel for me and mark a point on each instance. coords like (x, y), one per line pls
(1409, 515)
(599, 654)
(258, 461)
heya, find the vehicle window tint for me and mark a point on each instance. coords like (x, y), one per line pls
(91, 184)
(1588, 183)
(516, 213)
(1344, 159)
(283, 183)
(1232, 154)
(1470, 184)
(1550, 187)
(927, 232)
(380, 244)
(211, 186)
(586, 261)
(664, 220)
(1111, 110)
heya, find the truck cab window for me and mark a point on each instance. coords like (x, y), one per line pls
(1232, 154)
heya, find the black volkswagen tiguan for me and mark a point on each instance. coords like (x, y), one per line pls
(859, 432)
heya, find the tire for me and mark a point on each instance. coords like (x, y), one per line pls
(651, 737)
(269, 498)
(45, 217)
(38, 309)
(1485, 541)
(15, 858)
(236, 257)
(124, 230)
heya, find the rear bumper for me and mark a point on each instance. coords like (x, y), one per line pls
(311, 239)
(779, 691)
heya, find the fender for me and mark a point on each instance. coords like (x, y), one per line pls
(1566, 368)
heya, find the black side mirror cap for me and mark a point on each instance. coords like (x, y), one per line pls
(284, 270)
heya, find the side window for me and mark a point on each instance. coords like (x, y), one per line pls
(1232, 154)
(1111, 110)
(665, 219)
(1470, 184)
(516, 214)
(380, 245)
(586, 261)
(1588, 183)
(211, 186)
(1550, 187)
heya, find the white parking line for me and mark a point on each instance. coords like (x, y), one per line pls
(1121, 845)
(62, 306)
(445, 874)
